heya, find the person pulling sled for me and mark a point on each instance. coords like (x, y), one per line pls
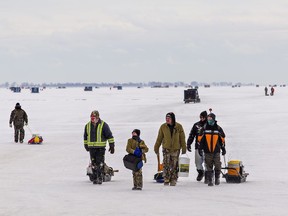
(96, 135)
(212, 139)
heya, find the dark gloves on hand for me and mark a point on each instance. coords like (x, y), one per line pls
(138, 152)
(86, 147)
(200, 151)
(111, 148)
(189, 147)
(223, 150)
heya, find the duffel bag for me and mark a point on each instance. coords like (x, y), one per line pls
(132, 162)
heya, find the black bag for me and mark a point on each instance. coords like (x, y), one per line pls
(132, 162)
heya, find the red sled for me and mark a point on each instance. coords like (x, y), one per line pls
(36, 139)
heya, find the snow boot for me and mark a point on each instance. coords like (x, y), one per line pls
(206, 177)
(136, 188)
(200, 175)
(210, 178)
(217, 177)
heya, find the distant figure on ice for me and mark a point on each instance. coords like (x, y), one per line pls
(211, 140)
(266, 91)
(172, 138)
(137, 147)
(18, 117)
(96, 134)
(195, 130)
(272, 91)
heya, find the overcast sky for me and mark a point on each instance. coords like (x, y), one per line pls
(142, 41)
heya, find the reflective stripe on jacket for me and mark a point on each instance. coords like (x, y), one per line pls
(97, 136)
(212, 139)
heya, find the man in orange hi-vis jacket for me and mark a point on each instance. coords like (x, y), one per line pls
(211, 140)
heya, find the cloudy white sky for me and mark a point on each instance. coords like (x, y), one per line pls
(137, 40)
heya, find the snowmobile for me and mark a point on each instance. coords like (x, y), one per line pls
(108, 173)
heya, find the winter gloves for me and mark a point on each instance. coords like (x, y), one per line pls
(111, 148)
(223, 150)
(86, 147)
(189, 147)
(200, 151)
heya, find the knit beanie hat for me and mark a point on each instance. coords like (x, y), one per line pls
(172, 116)
(212, 115)
(203, 114)
(137, 131)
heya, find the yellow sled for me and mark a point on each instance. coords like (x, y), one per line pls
(235, 172)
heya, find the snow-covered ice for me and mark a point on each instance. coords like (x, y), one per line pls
(50, 179)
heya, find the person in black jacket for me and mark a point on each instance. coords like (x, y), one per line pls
(194, 135)
(211, 140)
(96, 135)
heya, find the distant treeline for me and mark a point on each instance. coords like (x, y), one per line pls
(128, 84)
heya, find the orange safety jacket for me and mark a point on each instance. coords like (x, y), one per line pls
(211, 139)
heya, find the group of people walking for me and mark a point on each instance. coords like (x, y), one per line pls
(208, 136)
(271, 91)
(209, 143)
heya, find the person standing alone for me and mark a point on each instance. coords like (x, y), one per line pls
(18, 117)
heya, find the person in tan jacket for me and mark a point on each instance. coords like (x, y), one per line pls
(137, 147)
(172, 138)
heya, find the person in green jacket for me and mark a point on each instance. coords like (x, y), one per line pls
(137, 147)
(172, 138)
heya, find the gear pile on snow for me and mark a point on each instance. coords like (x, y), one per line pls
(108, 173)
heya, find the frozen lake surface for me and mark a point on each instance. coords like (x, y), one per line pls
(50, 179)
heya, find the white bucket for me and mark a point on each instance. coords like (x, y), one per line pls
(184, 163)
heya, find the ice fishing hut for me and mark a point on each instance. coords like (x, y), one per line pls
(191, 95)
(35, 90)
(15, 89)
(88, 88)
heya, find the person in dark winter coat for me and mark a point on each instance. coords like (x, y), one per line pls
(172, 138)
(96, 135)
(137, 147)
(195, 130)
(212, 139)
(272, 91)
(266, 91)
(18, 117)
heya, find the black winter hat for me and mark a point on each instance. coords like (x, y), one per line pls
(17, 106)
(203, 114)
(172, 116)
(212, 115)
(137, 131)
